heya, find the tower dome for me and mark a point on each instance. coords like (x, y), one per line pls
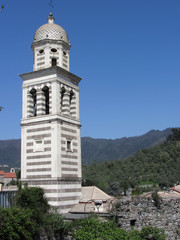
(51, 46)
(51, 31)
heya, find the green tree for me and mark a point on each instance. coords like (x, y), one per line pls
(154, 233)
(16, 223)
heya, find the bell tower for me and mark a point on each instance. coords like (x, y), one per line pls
(50, 125)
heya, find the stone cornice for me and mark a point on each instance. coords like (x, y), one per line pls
(49, 119)
(47, 41)
(58, 71)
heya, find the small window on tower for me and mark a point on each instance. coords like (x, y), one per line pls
(54, 62)
(68, 145)
(38, 145)
(41, 51)
(53, 50)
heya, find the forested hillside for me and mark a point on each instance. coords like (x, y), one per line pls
(10, 152)
(97, 150)
(100, 150)
(159, 164)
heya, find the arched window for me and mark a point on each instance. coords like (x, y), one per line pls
(34, 97)
(70, 97)
(54, 62)
(62, 96)
(46, 94)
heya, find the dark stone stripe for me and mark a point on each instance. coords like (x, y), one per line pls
(38, 163)
(38, 176)
(39, 156)
(29, 144)
(63, 142)
(68, 130)
(70, 176)
(69, 169)
(39, 136)
(73, 112)
(62, 199)
(70, 163)
(39, 64)
(47, 142)
(75, 150)
(29, 101)
(30, 111)
(72, 108)
(41, 58)
(39, 170)
(47, 149)
(63, 149)
(29, 151)
(69, 156)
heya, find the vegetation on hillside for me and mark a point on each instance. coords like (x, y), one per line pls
(95, 229)
(32, 218)
(157, 165)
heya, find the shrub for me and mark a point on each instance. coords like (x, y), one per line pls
(156, 233)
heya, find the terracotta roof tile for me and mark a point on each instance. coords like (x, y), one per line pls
(10, 175)
(2, 172)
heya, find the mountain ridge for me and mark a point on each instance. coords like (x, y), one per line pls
(93, 149)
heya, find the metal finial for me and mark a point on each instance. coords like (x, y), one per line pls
(51, 4)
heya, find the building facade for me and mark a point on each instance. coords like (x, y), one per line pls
(50, 125)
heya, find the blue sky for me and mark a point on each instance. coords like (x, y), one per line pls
(127, 52)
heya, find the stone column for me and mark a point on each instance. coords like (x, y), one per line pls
(77, 104)
(29, 104)
(41, 107)
(50, 99)
(73, 106)
(65, 103)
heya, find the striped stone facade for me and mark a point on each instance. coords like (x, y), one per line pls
(51, 144)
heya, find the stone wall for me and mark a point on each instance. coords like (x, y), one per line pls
(139, 212)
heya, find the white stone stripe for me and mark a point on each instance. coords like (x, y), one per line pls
(69, 172)
(64, 186)
(64, 194)
(69, 159)
(62, 203)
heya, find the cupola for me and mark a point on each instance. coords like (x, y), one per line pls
(50, 46)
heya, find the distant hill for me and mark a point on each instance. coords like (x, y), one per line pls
(98, 150)
(10, 152)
